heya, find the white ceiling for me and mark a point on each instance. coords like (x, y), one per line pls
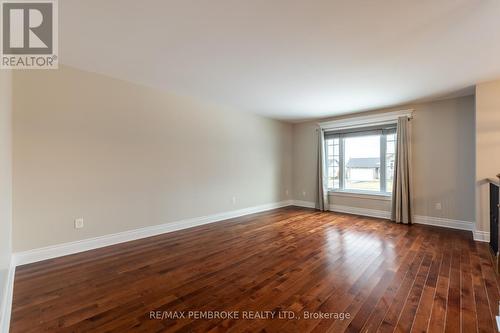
(288, 59)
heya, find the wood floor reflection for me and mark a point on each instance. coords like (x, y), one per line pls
(292, 261)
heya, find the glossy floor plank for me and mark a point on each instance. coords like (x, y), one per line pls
(377, 275)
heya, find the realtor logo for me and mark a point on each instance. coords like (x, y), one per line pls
(29, 34)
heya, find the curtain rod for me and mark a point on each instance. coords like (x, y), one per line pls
(357, 121)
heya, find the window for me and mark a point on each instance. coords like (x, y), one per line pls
(361, 160)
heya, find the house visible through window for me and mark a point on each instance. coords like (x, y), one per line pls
(361, 160)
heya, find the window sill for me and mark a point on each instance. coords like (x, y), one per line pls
(362, 195)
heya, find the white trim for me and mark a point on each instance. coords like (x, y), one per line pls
(417, 219)
(6, 306)
(381, 214)
(373, 119)
(481, 236)
(305, 204)
(443, 222)
(360, 195)
(49, 252)
(54, 251)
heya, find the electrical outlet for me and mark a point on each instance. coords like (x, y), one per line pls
(234, 200)
(438, 206)
(286, 192)
(303, 193)
(79, 223)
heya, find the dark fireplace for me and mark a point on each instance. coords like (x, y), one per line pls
(494, 218)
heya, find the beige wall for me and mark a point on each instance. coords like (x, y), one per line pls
(443, 161)
(5, 176)
(124, 156)
(487, 146)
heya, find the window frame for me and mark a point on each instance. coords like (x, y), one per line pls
(382, 131)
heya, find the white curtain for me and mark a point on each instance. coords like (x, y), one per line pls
(322, 196)
(402, 208)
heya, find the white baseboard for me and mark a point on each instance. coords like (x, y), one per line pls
(481, 236)
(360, 211)
(305, 204)
(418, 219)
(443, 222)
(6, 305)
(49, 252)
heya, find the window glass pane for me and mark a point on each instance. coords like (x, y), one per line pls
(336, 159)
(330, 179)
(329, 148)
(362, 163)
(390, 146)
(389, 161)
(361, 168)
(336, 173)
(336, 149)
(332, 158)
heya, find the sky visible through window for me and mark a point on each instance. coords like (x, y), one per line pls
(362, 146)
(362, 163)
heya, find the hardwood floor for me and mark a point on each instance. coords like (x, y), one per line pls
(383, 277)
